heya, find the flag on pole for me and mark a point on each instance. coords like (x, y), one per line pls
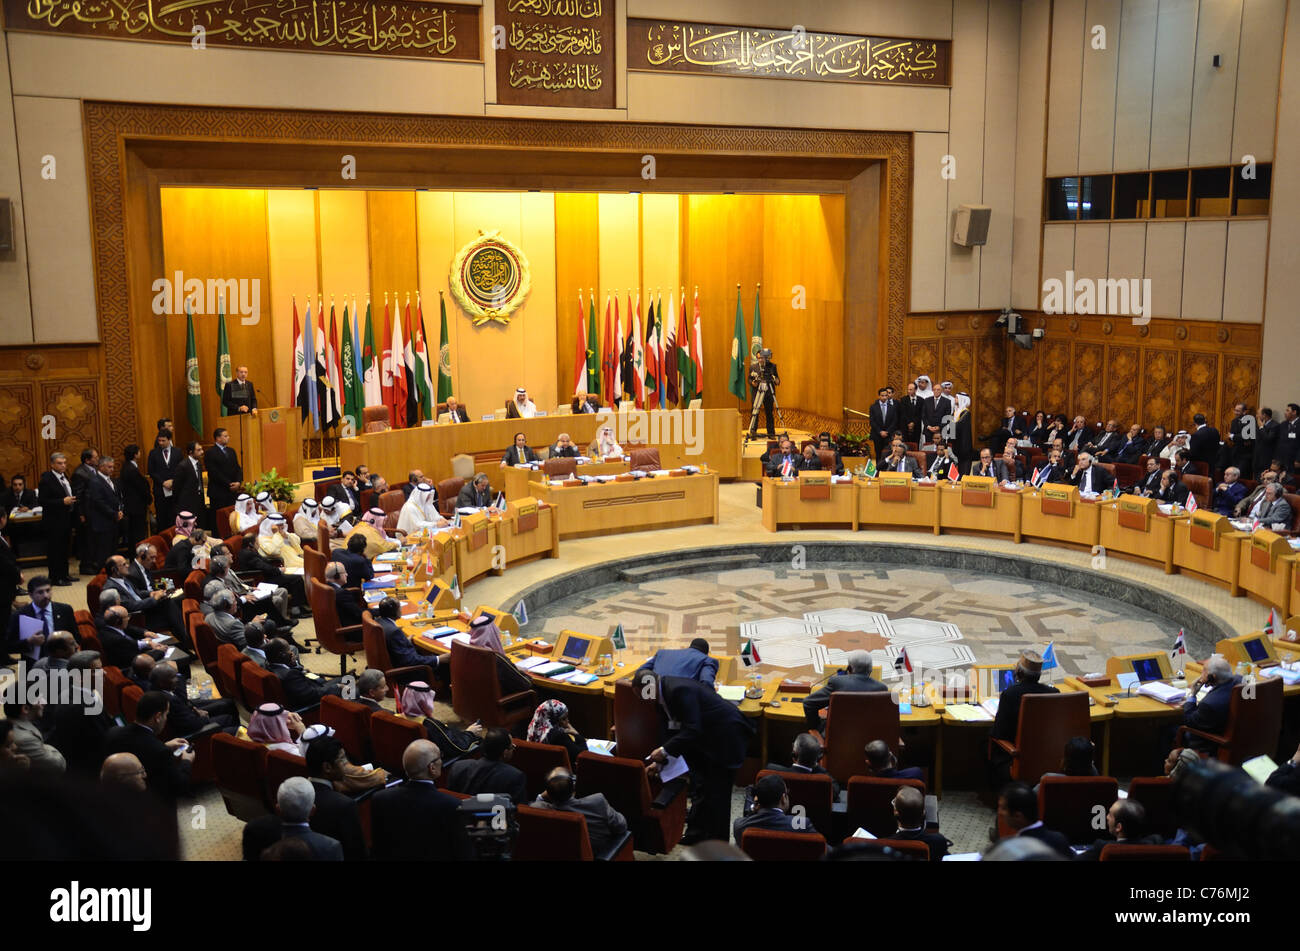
(371, 370)
(749, 654)
(672, 353)
(312, 379)
(408, 364)
(662, 334)
(455, 586)
(1180, 643)
(607, 356)
(651, 355)
(331, 409)
(697, 352)
(358, 370)
(193, 392)
(351, 383)
(386, 361)
(902, 662)
(638, 356)
(299, 363)
(593, 347)
(953, 474)
(1049, 656)
(756, 338)
(521, 613)
(616, 348)
(580, 351)
(444, 354)
(1033, 479)
(1191, 504)
(399, 370)
(619, 638)
(423, 370)
(224, 375)
(1273, 624)
(737, 382)
(870, 468)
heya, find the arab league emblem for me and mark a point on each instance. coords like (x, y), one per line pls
(489, 278)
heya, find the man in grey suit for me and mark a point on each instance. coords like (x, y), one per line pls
(295, 801)
(228, 628)
(899, 461)
(857, 679)
(988, 466)
(1277, 509)
(605, 824)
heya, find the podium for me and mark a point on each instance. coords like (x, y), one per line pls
(271, 439)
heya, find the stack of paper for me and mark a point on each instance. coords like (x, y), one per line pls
(1159, 690)
(551, 668)
(990, 706)
(578, 677)
(603, 747)
(1289, 677)
(528, 663)
(967, 712)
(442, 631)
(389, 556)
(733, 692)
(455, 637)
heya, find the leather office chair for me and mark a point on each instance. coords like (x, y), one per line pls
(636, 722)
(655, 828)
(1127, 474)
(1293, 500)
(1200, 468)
(240, 768)
(1119, 852)
(392, 501)
(223, 521)
(870, 803)
(1199, 486)
(377, 656)
(229, 660)
(462, 465)
(910, 849)
(93, 587)
(129, 700)
(1156, 793)
(168, 534)
(827, 459)
(536, 760)
(768, 845)
(351, 724)
(815, 793)
(262, 686)
(645, 460)
(390, 736)
(549, 835)
(477, 689)
(114, 682)
(1047, 721)
(447, 491)
(194, 585)
(161, 547)
(863, 717)
(376, 419)
(1253, 724)
(323, 538)
(1068, 804)
(280, 765)
(313, 564)
(205, 641)
(560, 467)
(329, 634)
(236, 544)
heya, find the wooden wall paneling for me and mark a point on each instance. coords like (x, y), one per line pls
(989, 395)
(577, 265)
(1160, 388)
(1122, 384)
(1022, 370)
(864, 326)
(1087, 367)
(958, 364)
(922, 358)
(1055, 389)
(74, 404)
(20, 450)
(394, 266)
(1199, 389)
(1239, 383)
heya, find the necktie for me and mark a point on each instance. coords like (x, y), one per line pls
(167, 457)
(45, 617)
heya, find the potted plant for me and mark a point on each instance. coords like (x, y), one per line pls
(282, 490)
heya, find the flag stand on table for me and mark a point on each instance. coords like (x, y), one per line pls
(619, 640)
(1178, 653)
(749, 654)
(870, 468)
(902, 662)
(1049, 658)
(1191, 504)
(455, 587)
(521, 613)
(953, 474)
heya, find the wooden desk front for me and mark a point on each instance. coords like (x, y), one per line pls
(1080, 528)
(1220, 564)
(784, 508)
(516, 481)
(1002, 517)
(920, 511)
(643, 505)
(1156, 543)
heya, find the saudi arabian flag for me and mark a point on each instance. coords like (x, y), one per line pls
(444, 355)
(593, 349)
(737, 381)
(193, 394)
(224, 375)
(619, 639)
(352, 396)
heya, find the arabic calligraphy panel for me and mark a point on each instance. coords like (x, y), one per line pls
(557, 53)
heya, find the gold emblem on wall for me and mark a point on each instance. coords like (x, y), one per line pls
(489, 278)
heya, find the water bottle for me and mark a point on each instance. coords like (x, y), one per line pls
(205, 689)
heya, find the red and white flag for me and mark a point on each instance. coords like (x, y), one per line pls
(1180, 643)
(952, 474)
(1191, 504)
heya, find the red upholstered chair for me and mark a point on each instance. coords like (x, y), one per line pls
(815, 793)
(1199, 486)
(536, 760)
(1119, 852)
(331, 636)
(261, 686)
(86, 634)
(351, 724)
(392, 501)
(374, 644)
(376, 419)
(1068, 804)
(131, 695)
(390, 736)
(655, 829)
(477, 689)
(226, 674)
(205, 641)
(636, 722)
(560, 467)
(447, 491)
(93, 587)
(223, 519)
(863, 717)
(910, 849)
(280, 765)
(921, 464)
(1156, 793)
(161, 546)
(240, 768)
(114, 682)
(768, 845)
(194, 585)
(870, 803)
(1127, 474)
(827, 459)
(548, 835)
(1253, 724)
(1200, 468)
(313, 564)
(1047, 721)
(645, 460)
(1293, 500)
(168, 534)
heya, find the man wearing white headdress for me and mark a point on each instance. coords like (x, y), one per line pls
(334, 512)
(923, 388)
(245, 515)
(304, 523)
(962, 441)
(265, 504)
(521, 407)
(420, 511)
(274, 540)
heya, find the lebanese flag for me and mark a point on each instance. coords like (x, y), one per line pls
(952, 477)
(386, 361)
(580, 354)
(398, 373)
(638, 355)
(1191, 504)
(697, 349)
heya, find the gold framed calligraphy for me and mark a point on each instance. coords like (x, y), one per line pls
(557, 53)
(681, 47)
(392, 28)
(489, 278)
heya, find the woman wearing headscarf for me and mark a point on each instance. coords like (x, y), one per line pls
(550, 724)
(275, 727)
(245, 515)
(483, 632)
(371, 528)
(304, 523)
(419, 510)
(416, 700)
(275, 541)
(604, 444)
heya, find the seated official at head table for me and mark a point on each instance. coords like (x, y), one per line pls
(785, 461)
(898, 460)
(1090, 477)
(476, 494)
(585, 403)
(604, 444)
(519, 453)
(693, 662)
(563, 448)
(455, 413)
(808, 459)
(521, 407)
(988, 466)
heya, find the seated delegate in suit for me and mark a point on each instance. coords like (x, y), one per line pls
(349, 611)
(855, 679)
(988, 466)
(519, 453)
(563, 448)
(805, 759)
(167, 773)
(347, 491)
(945, 457)
(693, 662)
(122, 643)
(909, 812)
(1229, 492)
(415, 820)
(899, 461)
(809, 459)
(1133, 446)
(455, 413)
(584, 403)
(521, 407)
(605, 824)
(550, 724)
(1248, 503)
(1106, 443)
(1089, 477)
(1209, 713)
(477, 494)
(1151, 479)
(1018, 811)
(771, 811)
(190, 716)
(882, 763)
(785, 461)
(1015, 469)
(824, 442)
(401, 649)
(1024, 680)
(301, 688)
(1126, 821)
(1274, 509)
(353, 558)
(492, 773)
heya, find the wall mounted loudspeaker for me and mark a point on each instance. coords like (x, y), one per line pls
(6, 225)
(971, 225)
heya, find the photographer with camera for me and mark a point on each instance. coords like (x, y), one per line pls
(764, 378)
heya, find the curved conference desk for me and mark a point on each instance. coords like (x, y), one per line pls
(946, 732)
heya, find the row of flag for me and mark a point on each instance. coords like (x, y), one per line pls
(193, 387)
(738, 380)
(337, 376)
(657, 369)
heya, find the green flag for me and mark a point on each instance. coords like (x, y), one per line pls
(870, 468)
(423, 372)
(370, 369)
(756, 338)
(619, 639)
(737, 381)
(444, 355)
(352, 399)
(593, 349)
(224, 375)
(193, 394)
